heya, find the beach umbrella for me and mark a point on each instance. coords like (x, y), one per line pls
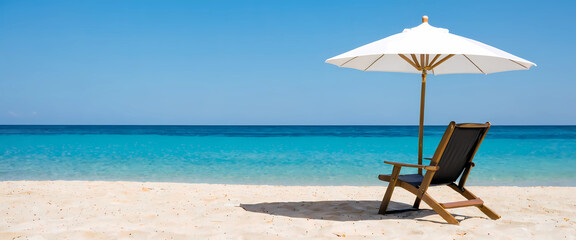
(426, 49)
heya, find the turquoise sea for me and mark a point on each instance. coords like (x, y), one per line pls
(277, 155)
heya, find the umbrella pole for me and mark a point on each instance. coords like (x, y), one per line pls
(421, 129)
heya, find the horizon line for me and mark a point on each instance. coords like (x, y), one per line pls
(279, 125)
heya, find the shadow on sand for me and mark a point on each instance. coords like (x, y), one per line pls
(340, 210)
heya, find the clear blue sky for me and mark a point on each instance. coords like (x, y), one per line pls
(262, 62)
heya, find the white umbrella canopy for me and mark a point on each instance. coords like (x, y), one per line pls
(424, 49)
(431, 43)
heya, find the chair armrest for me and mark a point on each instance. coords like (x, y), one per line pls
(432, 168)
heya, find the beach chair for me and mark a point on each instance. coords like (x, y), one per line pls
(452, 159)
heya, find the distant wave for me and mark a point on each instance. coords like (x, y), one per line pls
(497, 132)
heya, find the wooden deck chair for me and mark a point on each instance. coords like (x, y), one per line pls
(452, 159)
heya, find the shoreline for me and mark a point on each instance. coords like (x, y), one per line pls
(469, 183)
(160, 210)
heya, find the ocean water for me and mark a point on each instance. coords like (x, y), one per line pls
(276, 155)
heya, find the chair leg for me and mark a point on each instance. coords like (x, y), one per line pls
(423, 187)
(491, 214)
(439, 209)
(469, 195)
(417, 203)
(389, 190)
(386, 199)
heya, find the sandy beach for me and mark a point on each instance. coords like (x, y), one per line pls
(134, 210)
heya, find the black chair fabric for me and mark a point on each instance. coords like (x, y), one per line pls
(412, 179)
(457, 154)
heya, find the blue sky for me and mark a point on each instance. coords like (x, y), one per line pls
(262, 62)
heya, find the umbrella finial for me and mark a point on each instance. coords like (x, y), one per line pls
(424, 19)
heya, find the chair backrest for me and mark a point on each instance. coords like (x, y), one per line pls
(456, 151)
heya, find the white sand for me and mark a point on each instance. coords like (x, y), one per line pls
(131, 210)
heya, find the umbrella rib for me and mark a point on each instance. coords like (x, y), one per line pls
(422, 61)
(374, 62)
(441, 61)
(416, 61)
(518, 63)
(408, 60)
(347, 61)
(434, 59)
(473, 63)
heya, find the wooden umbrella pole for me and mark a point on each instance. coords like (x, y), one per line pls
(421, 129)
